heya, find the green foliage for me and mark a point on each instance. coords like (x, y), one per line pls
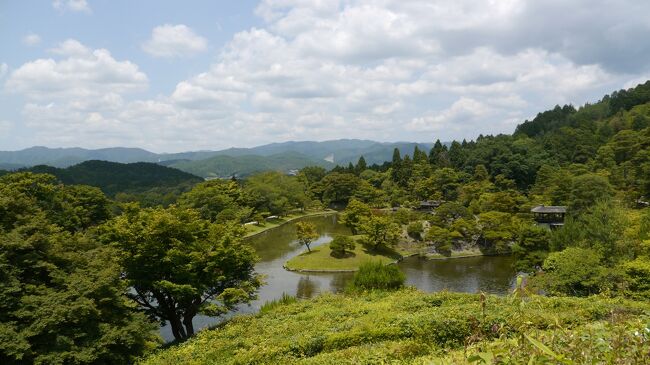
(180, 265)
(355, 214)
(285, 299)
(62, 300)
(637, 276)
(113, 177)
(336, 187)
(380, 232)
(306, 233)
(340, 244)
(276, 193)
(73, 208)
(441, 238)
(587, 190)
(531, 248)
(375, 275)
(574, 271)
(411, 327)
(214, 200)
(497, 231)
(415, 230)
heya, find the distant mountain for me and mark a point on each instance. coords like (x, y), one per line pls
(64, 157)
(113, 177)
(343, 151)
(225, 166)
(275, 156)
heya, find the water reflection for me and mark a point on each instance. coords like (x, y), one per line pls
(274, 247)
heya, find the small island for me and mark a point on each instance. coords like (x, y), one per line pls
(324, 259)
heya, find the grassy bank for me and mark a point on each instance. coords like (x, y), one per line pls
(252, 230)
(321, 259)
(411, 327)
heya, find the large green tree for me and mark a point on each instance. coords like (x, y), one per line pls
(180, 265)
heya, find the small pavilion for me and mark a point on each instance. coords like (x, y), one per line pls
(551, 215)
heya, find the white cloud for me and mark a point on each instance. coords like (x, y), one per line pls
(83, 73)
(71, 48)
(4, 68)
(72, 5)
(323, 69)
(174, 41)
(31, 39)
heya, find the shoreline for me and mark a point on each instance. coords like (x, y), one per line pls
(314, 214)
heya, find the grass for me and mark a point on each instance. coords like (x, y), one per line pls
(411, 327)
(321, 258)
(252, 230)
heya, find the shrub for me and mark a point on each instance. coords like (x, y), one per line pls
(574, 271)
(340, 244)
(375, 275)
(283, 300)
(415, 229)
(637, 275)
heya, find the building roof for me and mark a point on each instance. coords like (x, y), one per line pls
(548, 209)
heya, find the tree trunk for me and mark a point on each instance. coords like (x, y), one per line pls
(177, 328)
(189, 326)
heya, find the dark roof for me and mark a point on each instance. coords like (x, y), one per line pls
(548, 209)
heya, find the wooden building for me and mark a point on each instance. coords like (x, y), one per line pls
(551, 215)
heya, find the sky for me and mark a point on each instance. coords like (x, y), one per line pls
(172, 76)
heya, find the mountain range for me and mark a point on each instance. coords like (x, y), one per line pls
(284, 156)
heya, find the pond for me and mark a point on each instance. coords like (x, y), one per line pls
(491, 274)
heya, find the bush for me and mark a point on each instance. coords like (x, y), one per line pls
(637, 276)
(375, 275)
(285, 299)
(415, 229)
(574, 271)
(340, 244)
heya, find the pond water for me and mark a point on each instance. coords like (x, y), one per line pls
(491, 274)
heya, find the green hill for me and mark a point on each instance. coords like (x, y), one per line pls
(225, 166)
(113, 177)
(411, 327)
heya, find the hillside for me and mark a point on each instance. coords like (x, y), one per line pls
(343, 151)
(113, 177)
(225, 166)
(411, 327)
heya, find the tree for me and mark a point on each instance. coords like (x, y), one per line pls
(415, 230)
(212, 197)
(341, 243)
(574, 271)
(180, 265)
(531, 247)
(587, 190)
(355, 214)
(62, 300)
(306, 233)
(336, 187)
(441, 238)
(380, 232)
(361, 165)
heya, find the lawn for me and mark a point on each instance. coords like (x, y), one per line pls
(321, 259)
(252, 230)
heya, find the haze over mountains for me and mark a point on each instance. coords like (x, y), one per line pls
(233, 161)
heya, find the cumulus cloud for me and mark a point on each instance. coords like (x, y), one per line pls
(316, 69)
(31, 39)
(174, 41)
(71, 5)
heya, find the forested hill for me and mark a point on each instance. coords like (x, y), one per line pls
(113, 177)
(242, 166)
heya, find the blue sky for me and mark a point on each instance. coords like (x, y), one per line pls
(171, 76)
